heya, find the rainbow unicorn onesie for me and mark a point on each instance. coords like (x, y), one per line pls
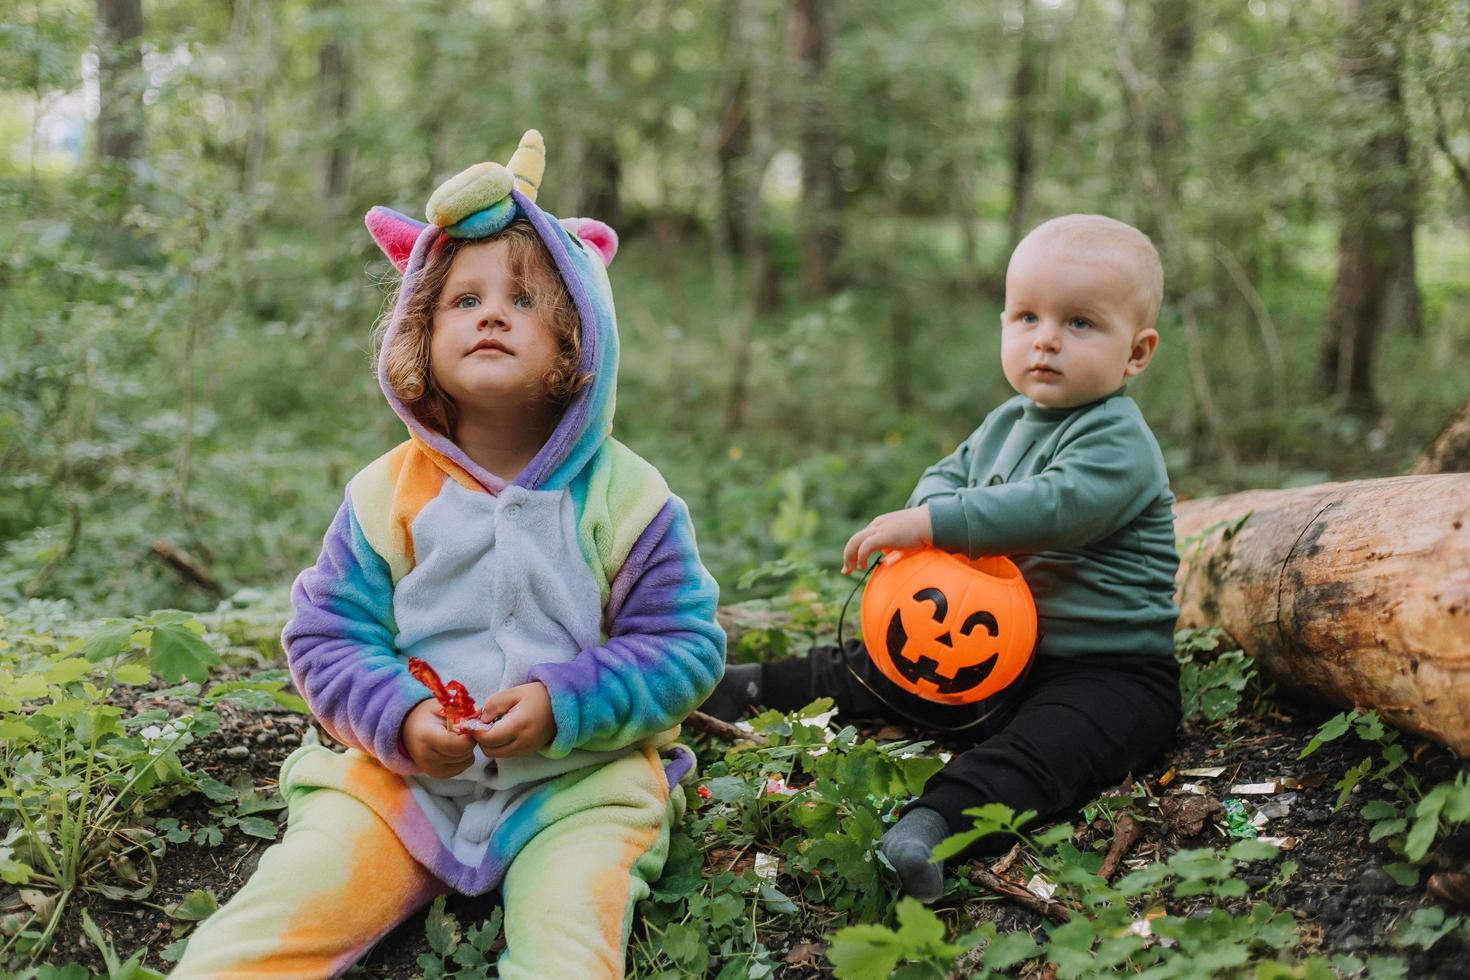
(582, 574)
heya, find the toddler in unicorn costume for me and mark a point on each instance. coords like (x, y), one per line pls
(516, 547)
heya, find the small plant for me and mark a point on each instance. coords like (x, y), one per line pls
(1214, 674)
(78, 774)
(871, 952)
(459, 954)
(1410, 824)
(791, 828)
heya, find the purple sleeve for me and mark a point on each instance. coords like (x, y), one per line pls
(340, 646)
(664, 652)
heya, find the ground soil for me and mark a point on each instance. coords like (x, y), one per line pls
(1340, 896)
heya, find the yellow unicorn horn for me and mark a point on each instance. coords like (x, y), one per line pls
(528, 163)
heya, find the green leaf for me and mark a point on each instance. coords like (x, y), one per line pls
(219, 792)
(66, 671)
(776, 900)
(196, 906)
(1333, 728)
(177, 653)
(133, 674)
(1426, 824)
(864, 952)
(15, 731)
(259, 827)
(917, 926)
(1406, 875)
(682, 944)
(1378, 810)
(441, 929)
(1386, 828)
(1009, 949)
(109, 640)
(1425, 927)
(1252, 850)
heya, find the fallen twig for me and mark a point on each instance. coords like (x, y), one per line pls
(1016, 893)
(722, 729)
(1124, 838)
(1009, 858)
(187, 568)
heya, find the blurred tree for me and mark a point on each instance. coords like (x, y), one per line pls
(1023, 121)
(120, 80)
(820, 229)
(1376, 197)
(335, 85)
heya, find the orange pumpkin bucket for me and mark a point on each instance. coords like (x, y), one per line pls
(947, 628)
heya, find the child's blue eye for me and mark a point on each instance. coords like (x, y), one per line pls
(467, 302)
(524, 301)
(1028, 318)
(1080, 323)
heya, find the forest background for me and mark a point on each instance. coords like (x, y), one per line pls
(816, 202)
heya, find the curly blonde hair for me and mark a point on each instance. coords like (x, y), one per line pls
(532, 272)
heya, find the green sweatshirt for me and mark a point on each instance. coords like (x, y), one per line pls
(1080, 501)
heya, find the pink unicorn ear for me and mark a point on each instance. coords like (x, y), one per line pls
(395, 233)
(604, 240)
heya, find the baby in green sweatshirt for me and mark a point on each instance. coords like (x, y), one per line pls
(1067, 480)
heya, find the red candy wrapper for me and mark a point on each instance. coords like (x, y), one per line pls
(460, 713)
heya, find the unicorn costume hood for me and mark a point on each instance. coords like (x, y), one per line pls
(478, 203)
(581, 573)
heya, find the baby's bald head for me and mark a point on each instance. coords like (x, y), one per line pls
(1097, 240)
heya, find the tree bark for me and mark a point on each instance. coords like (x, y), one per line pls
(821, 232)
(1356, 592)
(120, 80)
(1375, 242)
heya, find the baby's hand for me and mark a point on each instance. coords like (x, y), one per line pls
(522, 719)
(436, 750)
(894, 531)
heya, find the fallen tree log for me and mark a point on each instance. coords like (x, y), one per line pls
(1356, 592)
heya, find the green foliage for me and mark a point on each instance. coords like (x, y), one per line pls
(1214, 674)
(459, 954)
(79, 775)
(1411, 823)
(811, 802)
(1107, 931)
(869, 952)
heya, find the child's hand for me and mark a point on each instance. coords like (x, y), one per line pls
(522, 718)
(436, 750)
(888, 532)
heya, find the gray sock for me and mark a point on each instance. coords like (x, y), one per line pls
(907, 847)
(737, 690)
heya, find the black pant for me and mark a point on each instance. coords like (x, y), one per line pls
(1069, 729)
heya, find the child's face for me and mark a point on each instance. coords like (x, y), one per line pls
(1070, 330)
(488, 342)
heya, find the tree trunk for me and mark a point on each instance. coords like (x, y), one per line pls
(1158, 132)
(1023, 87)
(334, 103)
(1357, 592)
(750, 43)
(120, 80)
(1375, 242)
(732, 130)
(821, 232)
(1451, 451)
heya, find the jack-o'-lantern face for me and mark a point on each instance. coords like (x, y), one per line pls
(946, 628)
(970, 646)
